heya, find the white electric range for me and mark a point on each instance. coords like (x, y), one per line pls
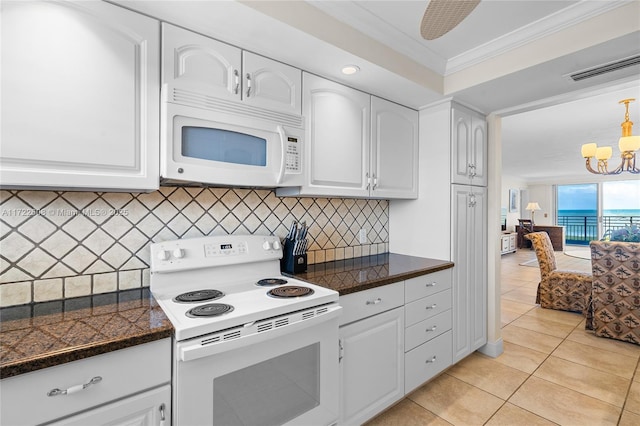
(238, 321)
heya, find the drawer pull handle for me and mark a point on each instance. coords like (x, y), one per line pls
(431, 329)
(432, 360)
(74, 389)
(374, 302)
(433, 284)
(431, 307)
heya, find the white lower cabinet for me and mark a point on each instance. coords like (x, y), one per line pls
(508, 243)
(146, 409)
(129, 386)
(371, 354)
(428, 317)
(427, 360)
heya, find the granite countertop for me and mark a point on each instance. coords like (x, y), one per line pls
(43, 335)
(362, 273)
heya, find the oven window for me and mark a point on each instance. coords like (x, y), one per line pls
(272, 392)
(224, 146)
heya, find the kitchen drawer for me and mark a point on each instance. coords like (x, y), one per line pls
(426, 330)
(426, 285)
(365, 303)
(123, 372)
(426, 361)
(427, 307)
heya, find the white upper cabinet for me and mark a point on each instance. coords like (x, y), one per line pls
(394, 150)
(199, 66)
(80, 97)
(469, 147)
(337, 139)
(358, 145)
(271, 85)
(200, 71)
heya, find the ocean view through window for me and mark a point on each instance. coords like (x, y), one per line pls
(587, 211)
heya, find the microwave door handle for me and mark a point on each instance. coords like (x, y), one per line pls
(283, 152)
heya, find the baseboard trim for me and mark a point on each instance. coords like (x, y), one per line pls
(492, 349)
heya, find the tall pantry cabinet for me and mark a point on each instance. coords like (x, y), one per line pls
(468, 229)
(449, 218)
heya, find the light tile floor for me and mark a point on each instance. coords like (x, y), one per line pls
(552, 371)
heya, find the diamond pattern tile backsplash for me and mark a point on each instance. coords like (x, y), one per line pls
(57, 245)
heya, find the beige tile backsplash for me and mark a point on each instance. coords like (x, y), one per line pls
(57, 245)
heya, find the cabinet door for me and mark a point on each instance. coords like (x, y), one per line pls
(478, 150)
(337, 129)
(271, 85)
(504, 244)
(469, 274)
(198, 67)
(152, 408)
(460, 142)
(371, 366)
(394, 150)
(468, 147)
(80, 104)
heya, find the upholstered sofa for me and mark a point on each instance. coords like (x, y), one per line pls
(616, 290)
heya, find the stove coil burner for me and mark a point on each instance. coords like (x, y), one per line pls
(209, 310)
(271, 281)
(198, 296)
(290, 291)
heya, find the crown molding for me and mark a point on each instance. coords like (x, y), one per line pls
(551, 24)
(358, 17)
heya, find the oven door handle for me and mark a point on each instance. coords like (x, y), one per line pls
(190, 351)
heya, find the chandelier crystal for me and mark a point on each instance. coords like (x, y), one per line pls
(628, 145)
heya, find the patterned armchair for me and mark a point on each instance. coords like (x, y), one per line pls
(561, 290)
(616, 290)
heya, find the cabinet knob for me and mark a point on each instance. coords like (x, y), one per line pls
(432, 360)
(433, 284)
(431, 329)
(431, 307)
(374, 302)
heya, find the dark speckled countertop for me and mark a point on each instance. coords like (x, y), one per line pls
(42, 335)
(362, 273)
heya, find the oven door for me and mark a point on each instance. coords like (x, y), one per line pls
(228, 149)
(285, 376)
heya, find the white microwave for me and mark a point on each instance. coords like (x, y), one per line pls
(214, 147)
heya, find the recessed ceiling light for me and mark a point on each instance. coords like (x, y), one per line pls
(350, 69)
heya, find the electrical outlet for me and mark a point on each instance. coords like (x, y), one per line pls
(362, 236)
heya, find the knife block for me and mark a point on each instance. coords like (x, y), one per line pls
(292, 263)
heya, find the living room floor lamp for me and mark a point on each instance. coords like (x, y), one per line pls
(533, 207)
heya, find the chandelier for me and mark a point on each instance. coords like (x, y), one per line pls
(628, 145)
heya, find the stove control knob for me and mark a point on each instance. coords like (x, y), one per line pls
(266, 245)
(276, 245)
(178, 253)
(163, 255)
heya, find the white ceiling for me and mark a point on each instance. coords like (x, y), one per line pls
(508, 57)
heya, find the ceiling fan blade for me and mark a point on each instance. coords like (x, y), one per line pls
(441, 16)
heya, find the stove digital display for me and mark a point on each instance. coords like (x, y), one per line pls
(226, 246)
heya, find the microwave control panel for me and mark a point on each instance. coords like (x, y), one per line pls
(293, 155)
